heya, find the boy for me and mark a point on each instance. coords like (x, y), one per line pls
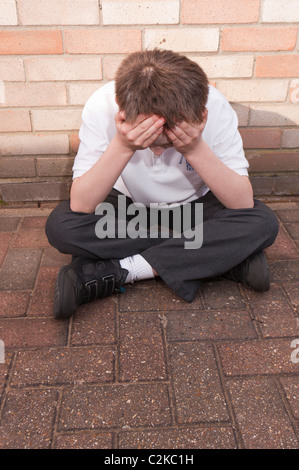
(159, 134)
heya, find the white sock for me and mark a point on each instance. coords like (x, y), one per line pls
(138, 268)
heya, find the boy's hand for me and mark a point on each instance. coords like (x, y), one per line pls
(185, 137)
(141, 133)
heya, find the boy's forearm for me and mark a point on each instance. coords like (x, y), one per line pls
(93, 187)
(232, 189)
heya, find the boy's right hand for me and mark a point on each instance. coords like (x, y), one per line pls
(140, 134)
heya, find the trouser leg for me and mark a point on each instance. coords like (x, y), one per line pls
(229, 237)
(75, 232)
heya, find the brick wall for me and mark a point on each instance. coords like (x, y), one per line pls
(55, 53)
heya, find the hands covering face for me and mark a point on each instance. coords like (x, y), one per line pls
(141, 133)
(185, 136)
(149, 131)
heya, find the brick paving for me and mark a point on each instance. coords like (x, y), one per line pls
(145, 369)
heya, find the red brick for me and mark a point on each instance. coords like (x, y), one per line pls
(277, 66)
(272, 162)
(53, 257)
(5, 240)
(288, 215)
(33, 332)
(206, 325)
(33, 222)
(111, 406)
(196, 381)
(261, 138)
(15, 167)
(43, 295)
(33, 238)
(257, 357)
(153, 295)
(213, 437)
(89, 440)
(261, 415)
(31, 42)
(19, 269)
(258, 39)
(74, 142)
(47, 191)
(293, 230)
(28, 419)
(291, 388)
(274, 317)
(57, 366)
(235, 11)
(286, 185)
(94, 323)
(105, 41)
(13, 304)
(141, 355)
(61, 166)
(282, 248)
(287, 271)
(9, 224)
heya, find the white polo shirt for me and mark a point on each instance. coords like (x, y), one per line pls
(168, 178)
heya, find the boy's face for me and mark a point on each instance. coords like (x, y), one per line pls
(160, 144)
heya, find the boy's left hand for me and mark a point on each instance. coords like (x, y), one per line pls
(185, 137)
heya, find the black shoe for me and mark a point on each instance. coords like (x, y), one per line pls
(253, 272)
(85, 280)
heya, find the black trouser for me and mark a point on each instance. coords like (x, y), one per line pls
(229, 237)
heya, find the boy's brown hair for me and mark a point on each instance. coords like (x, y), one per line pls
(161, 82)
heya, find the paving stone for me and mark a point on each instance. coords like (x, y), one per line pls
(208, 325)
(285, 270)
(33, 238)
(4, 369)
(271, 309)
(197, 388)
(261, 416)
(5, 241)
(138, 370)
(288, 215)
(141, 348)
(115, 406)
(52, 257)
(19, 269)
(63, 366)
(14, 304)
(291, 389)
(292, 289)
(293, 230)
(257, 357)
(153, 295)
(34, 222)
(182, 438)
(33, 332)
(222, 294)
(88, 440)
(9, 224)
(283, 247)
(28, 419)
(43, 295)
(95, 323)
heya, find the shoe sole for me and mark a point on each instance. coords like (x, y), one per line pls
(65, 298)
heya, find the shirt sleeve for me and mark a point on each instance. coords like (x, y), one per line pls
(96, 131)
(227, 142)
